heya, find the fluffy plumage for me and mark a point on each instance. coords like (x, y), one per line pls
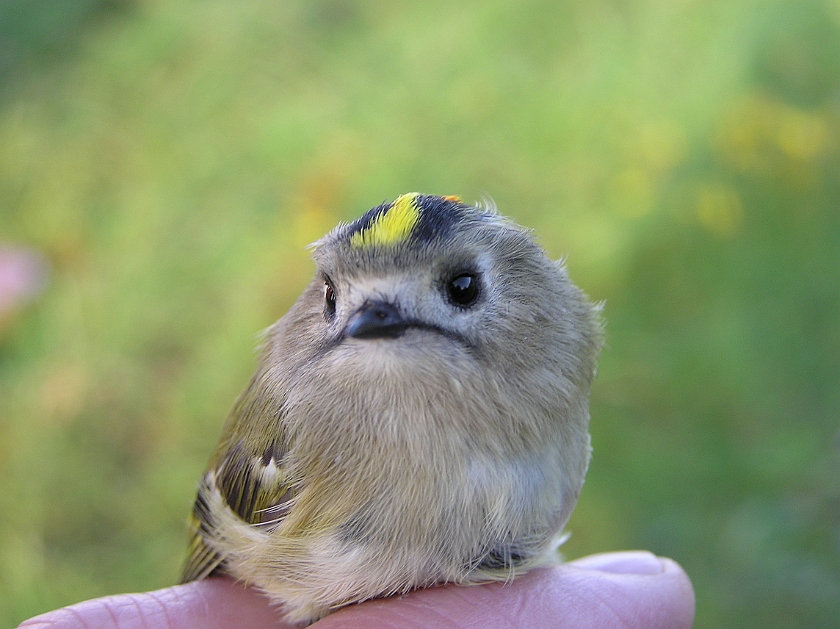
(419, 416)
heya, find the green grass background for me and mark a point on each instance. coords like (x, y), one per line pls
(172, 160)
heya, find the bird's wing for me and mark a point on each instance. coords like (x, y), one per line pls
(252, 485)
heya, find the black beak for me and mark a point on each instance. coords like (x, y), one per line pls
(376, 320)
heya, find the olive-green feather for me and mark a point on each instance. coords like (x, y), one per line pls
(253, 486)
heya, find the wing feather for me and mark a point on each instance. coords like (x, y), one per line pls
(253, 485)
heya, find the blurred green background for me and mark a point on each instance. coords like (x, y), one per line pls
(172, 159)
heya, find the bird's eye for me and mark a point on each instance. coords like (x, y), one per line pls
(463, 289)
(329, 301)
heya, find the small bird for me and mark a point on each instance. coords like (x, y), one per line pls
(419, 416)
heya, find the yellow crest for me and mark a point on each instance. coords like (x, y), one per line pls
(391, 226)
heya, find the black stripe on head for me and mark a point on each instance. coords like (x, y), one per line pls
(440, 216)
(418, 217)
(364, 221)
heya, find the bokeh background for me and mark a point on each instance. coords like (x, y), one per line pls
(164, 163)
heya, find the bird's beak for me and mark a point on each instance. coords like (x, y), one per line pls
(376, 320)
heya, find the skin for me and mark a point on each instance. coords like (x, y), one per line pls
(23, 275)
(625, 590)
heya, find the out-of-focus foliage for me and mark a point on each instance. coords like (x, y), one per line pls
(172, 159)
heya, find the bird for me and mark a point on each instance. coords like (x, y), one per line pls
(419, 416)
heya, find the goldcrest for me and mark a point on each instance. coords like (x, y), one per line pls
(419, 416)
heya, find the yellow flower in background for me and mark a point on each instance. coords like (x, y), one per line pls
(719, 210)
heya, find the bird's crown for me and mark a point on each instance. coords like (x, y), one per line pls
(412, 217)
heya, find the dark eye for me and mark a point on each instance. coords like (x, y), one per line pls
(329, 301)
(463, 290)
